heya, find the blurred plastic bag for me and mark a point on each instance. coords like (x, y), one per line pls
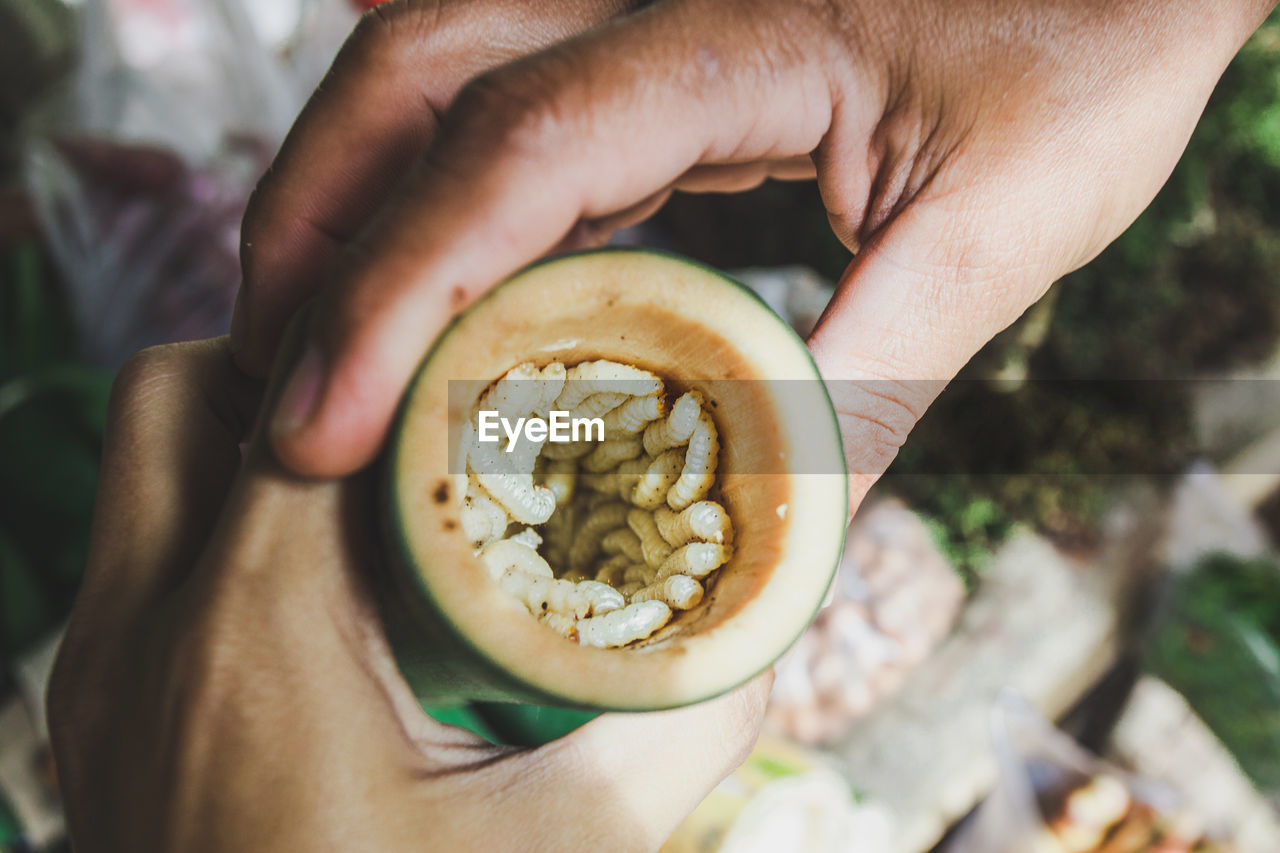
(895, 598)
(140, 185)
(1054, 797)
(783, 798)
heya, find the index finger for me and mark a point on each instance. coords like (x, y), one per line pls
(588, 128)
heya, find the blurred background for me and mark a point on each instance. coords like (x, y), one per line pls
(1057, 623)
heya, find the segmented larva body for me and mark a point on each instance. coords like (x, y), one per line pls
(507, 555)
(699, 472)
(625, 564)
(679, 592)
(609, 454)
(631, 623)
(561, 477)
(623, 541)
(586, 542)
(653, 547)
(602, 597)
(540, 594)
(633, 416)
(677, 427)
(697, 559)
(658, 479)
(704, 520)
(551, 382)
(515, 492)
(595, 377)
(628, 474)
(599, 405)
(483, 520)
(515, 394)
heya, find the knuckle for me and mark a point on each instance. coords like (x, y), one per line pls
(396, 28)
(521, 110)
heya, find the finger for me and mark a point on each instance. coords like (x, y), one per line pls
(914, 306)
(171, 450)
(576, 133)
(373, 115)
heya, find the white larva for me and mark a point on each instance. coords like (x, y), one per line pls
(631, 623)
(507, 555)
(697, 559)
(705, 520)
(653, 547)
(699, 472)
(550, 384)
(603, 598)
(542, 594)
(628, 474)
(483, 520)
(514, 491)
(515, 394)
(651, 490)
(561, 477)
(679, 592)
(677, 427)
(599, 405)
(633, 416)
(594, 377)
(609, 454)
(623, 541)
(586, 541)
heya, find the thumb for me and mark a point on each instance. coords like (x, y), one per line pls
(906, 317)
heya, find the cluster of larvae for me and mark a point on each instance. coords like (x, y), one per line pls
(601, 540)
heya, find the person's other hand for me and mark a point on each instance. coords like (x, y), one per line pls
(973, 152)
(224, 683)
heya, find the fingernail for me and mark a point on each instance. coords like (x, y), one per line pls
(301, 394)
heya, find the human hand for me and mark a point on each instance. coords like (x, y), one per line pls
(973, 152)
(224, 683)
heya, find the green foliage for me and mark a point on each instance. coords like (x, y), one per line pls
(52, 415)
(1192, 286)
(1218, 643)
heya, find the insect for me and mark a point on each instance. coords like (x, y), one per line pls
(680, 592)
(704, 520)
(631, 623)
(655, 484)
(699, 472)
(678, 426)
(600, 540)
(654, 548)
(697, 559)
